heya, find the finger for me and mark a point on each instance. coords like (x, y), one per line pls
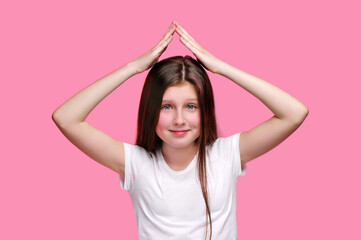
(167, 35)
(170, 30)
(185, 37)
(190, 46)
(190, 43)
(170, 26)
(183, 31)
(167, 41)
(161, 47)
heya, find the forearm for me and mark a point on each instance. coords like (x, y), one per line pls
(78, 107)
(282, 104)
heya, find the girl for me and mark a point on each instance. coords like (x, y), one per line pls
(181, 177)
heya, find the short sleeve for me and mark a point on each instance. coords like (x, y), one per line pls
(135, 159)
(236, 155)
(227, 149)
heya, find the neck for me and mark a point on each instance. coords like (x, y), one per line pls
(178, 158)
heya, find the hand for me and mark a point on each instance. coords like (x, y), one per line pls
(148, 59)
(205, 58)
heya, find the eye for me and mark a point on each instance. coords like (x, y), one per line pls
(191, 106)
(166, 107)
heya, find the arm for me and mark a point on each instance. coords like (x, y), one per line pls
(70, 116)
(70, 119)
(289, 113)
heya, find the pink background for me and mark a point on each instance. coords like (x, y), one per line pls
(307, 188)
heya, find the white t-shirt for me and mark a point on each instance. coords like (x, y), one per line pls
(169, 204)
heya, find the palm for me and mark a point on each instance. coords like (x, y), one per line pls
(204, 57)
(148, 59)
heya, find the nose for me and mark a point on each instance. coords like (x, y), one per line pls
(178, 118)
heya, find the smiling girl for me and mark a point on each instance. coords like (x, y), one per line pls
(180, 175)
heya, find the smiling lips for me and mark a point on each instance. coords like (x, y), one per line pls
(179, 132)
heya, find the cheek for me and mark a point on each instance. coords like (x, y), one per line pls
(195, 120)
(162, 123)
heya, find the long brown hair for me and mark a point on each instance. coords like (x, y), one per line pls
(169, 72)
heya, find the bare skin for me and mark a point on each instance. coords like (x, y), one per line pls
(179, 111)
(71, 116)
(289, 113)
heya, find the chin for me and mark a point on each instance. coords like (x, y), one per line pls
(180, 145)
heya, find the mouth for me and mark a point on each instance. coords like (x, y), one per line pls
(179, 132)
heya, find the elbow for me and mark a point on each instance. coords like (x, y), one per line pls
(56, 119)
(59, 121)
(302, 114)
(297, 115)
(307, 111)
(62, 121)
(56, 116)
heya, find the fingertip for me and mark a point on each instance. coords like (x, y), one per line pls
(170, 38)
(178, 30)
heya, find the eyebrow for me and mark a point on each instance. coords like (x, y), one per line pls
(189, 99)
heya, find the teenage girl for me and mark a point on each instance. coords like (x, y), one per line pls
(181, 177)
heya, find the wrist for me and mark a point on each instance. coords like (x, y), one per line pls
(132, 68)
(221, 68)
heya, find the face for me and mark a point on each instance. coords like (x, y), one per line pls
(179, 119)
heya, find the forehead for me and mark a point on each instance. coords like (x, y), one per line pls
(184, 91)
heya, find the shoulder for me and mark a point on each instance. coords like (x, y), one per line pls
(225, 151)
(225, 143)
(137, 160)
(137, 157)
(135, 149)
(224, 148)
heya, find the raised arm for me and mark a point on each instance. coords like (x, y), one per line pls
(289, 113)
(70, 116)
